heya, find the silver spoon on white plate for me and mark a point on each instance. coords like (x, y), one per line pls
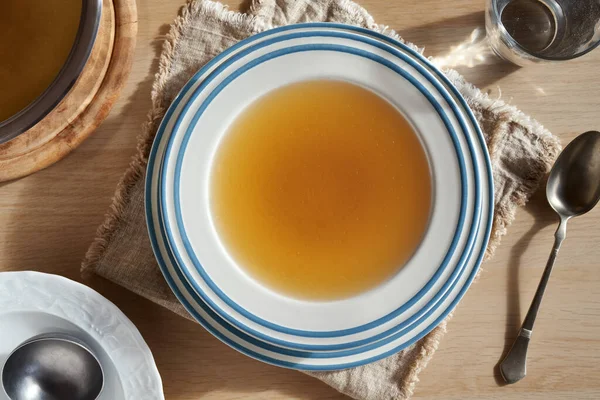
(52, 366)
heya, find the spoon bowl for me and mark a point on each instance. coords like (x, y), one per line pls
(52, 367)
(574, 183)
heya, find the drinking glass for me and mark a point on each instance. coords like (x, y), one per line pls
(533, 31)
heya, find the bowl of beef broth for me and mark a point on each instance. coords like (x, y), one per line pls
(318, 196)
(44, 47)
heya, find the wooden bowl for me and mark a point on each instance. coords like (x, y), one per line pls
(91, 11)
(88, 102)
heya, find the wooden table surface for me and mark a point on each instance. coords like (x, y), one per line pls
(48, 220)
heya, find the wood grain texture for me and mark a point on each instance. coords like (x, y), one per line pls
(86, 105)
(48, 220)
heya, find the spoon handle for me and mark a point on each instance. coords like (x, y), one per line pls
(514, 366)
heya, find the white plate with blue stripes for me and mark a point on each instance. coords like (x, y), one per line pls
(267, 325)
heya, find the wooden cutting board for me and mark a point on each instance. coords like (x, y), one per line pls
(86, 105)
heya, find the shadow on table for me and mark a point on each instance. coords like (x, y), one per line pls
(460, 43)
(543, 216)
(56, 211)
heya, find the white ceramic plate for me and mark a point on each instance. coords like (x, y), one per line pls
(32, 303)
(413, 286)
(299, 359)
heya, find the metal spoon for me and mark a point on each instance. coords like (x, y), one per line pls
(52, 367)
(573, 189)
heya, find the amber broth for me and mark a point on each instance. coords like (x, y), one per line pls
(35, 41)
(321, 190)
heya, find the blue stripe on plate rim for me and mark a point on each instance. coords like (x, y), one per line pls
(285, 329)
(271, 339)
(209, 311)
(287, 343)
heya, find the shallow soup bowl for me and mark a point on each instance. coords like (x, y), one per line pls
(229, 301)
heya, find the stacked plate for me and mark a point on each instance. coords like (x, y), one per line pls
(312, 335)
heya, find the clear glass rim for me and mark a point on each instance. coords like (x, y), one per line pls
(508, 38)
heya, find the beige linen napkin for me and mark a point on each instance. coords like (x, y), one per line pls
(521, 151)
